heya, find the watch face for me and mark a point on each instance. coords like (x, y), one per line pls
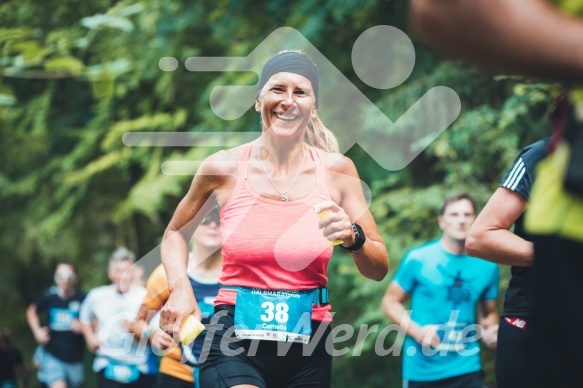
(357, 230)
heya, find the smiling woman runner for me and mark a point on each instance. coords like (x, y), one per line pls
(276, 249)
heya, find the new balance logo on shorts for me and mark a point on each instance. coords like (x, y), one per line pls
(517, 322)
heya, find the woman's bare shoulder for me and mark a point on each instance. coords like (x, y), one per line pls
(337, 162)
(224, 162)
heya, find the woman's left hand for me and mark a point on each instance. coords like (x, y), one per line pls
(336, 225)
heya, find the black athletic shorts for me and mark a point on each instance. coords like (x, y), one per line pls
(512, 354)
(265, 364)
(557, 342)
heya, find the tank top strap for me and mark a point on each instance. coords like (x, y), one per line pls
(243, 165)
(320, 166)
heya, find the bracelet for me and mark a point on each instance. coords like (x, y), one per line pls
(146, 334)
(359, 237)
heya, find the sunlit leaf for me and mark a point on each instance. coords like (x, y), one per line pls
(7, 100)
(70, 64)
(100, 20)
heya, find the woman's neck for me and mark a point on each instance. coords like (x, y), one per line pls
(281, 154)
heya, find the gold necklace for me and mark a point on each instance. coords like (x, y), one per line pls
(284, 198)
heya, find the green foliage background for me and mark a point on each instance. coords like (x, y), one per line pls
(77, 75)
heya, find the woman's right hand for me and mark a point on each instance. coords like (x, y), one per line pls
(180, 303)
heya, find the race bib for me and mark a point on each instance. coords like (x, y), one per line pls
(122, 373)
(61, 319)
(273, 315)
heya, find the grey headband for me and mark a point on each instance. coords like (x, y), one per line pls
(290, 62)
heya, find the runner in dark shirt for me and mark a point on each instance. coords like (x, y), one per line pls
(491, 239)
(60, 356)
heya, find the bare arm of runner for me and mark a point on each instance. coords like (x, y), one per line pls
(393, 308)
(488, 319)
(490, 238)
(372, 260)
(41, 333)
(186, 218)
(527, 37)
(90, 338)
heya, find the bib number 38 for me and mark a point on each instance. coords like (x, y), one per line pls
(273, 315)
(278, 311)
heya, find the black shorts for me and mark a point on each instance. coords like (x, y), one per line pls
(468, 380)
(265, 364)
(557, 343)
(512, 354)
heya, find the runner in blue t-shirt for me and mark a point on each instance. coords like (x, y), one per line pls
(447, 289)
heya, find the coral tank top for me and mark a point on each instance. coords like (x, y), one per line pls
(274, 245)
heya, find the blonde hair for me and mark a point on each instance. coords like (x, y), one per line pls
(319, 136)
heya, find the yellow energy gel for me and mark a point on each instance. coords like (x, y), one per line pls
(191, 328)
(323, 214)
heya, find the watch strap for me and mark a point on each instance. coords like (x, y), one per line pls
(360, 239)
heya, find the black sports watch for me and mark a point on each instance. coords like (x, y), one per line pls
(360, 239)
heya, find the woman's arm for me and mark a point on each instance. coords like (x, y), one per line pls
(372, 259)
(190, 211)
